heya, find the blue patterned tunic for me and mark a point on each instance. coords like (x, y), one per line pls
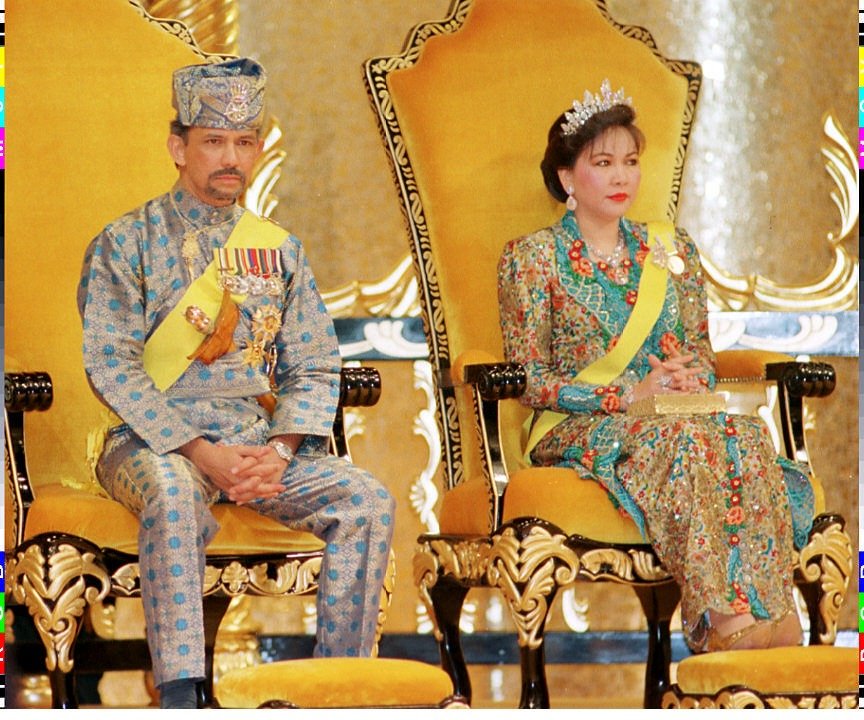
(135, 271)
(134, 275)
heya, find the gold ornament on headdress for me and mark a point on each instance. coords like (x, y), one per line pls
(591, 105)
(238, 106)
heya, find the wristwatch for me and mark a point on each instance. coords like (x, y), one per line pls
(283, 450)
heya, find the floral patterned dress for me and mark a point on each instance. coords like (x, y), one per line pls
(709, 492)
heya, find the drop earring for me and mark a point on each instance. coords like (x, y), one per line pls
(571, 201)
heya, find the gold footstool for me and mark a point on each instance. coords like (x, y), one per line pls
(338, 683)
(819, 676)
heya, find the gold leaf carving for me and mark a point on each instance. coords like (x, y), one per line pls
(292, 577)
(103, 618)
(234, 578)
(57, 595)
(744, 698)
(126, 580)
(827, 558)
(837, 287)
(528, 572)
(425, 564)
(307, 575)
(213, 23)
(465, 560)
(607, 563)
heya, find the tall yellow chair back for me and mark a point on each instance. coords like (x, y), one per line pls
(465, 110)
(88, 127)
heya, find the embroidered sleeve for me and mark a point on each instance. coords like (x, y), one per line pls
(694, 309)
(116, 314)
(308, 362)
(525, 277)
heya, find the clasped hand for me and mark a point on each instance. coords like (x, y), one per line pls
(675, 375)
(243, 472)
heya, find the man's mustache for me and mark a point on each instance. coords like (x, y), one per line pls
(227, 171)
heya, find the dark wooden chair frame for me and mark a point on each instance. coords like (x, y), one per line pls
(530, 559)
(57, 577)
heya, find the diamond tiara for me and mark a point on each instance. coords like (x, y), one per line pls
(591, 105)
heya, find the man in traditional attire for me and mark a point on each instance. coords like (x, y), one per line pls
(205, 333)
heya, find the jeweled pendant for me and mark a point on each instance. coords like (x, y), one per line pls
(619, 276)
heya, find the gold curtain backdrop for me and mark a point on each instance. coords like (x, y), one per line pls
(755, 195)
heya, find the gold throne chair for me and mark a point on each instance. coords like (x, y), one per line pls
(89, 145)
(463, 112)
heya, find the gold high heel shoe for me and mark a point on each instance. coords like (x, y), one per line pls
(715, 642)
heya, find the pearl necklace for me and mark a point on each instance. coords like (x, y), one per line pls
(614, 258)
(616, 266)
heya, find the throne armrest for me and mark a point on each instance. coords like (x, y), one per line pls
(23, 392)
(490, 381)
(497, 381)
(795, 381)
(479, 381)
(359, 387)
(28, 391)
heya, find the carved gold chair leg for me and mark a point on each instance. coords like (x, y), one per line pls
(528, 562)
(215, 607)
(448, 596)
(824, 569)
(57, 578)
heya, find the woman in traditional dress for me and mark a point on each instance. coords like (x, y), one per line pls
(603, 311)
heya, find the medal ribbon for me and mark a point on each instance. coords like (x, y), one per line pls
(166, 350)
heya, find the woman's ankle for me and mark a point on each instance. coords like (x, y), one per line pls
(725, 625)
(787, 631)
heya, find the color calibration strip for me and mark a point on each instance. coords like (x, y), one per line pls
(860, 378)
(2, 343)
(860, 83)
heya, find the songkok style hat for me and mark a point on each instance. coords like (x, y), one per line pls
(227, 95)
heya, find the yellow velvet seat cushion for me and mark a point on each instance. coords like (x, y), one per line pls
(108, 524)
(746, 363)
(576, 505)
(812, 669)
(558, 495)
(336, 683)
(466, 509)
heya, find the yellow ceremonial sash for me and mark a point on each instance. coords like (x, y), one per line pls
(649, 303)
(167, 349)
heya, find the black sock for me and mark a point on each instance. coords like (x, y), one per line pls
(179, 694)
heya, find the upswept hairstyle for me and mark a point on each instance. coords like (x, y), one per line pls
(562, 150)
